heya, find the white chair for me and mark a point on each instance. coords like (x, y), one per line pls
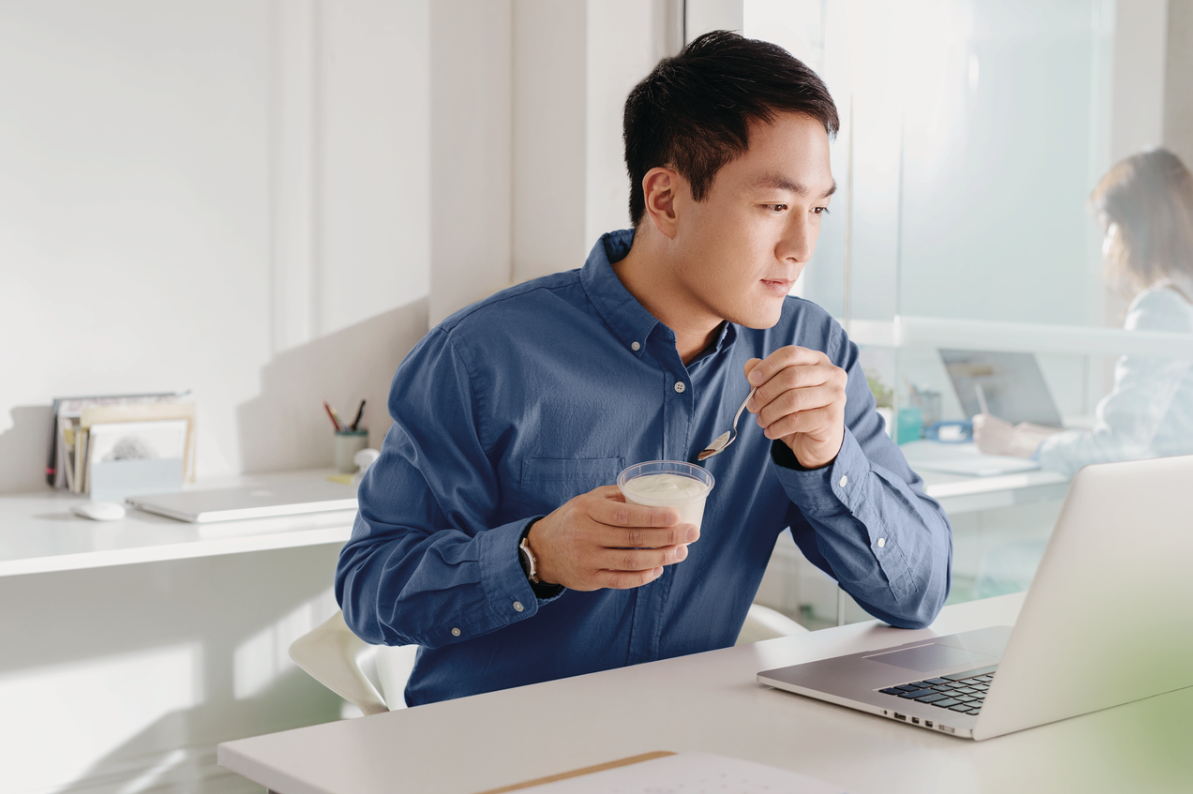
(764, 623)
(373, 677)
(370, 677)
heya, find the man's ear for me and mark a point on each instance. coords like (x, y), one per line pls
(659, 187)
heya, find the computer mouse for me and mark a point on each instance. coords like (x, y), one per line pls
(99, 511)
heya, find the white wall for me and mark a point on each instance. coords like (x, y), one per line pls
(123, 679)
(471, 200)
(199, 195)
(549, 47)
(134, 234)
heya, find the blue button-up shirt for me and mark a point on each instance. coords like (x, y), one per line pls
(545, 391)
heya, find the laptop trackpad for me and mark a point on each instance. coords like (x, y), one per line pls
(927, 658)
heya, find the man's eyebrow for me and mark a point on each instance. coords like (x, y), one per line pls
(779, 182)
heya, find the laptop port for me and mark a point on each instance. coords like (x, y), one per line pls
(899, 716)
(915, 720)
(928, 723)
(946, 729)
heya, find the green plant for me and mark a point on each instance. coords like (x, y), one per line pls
(883, 396)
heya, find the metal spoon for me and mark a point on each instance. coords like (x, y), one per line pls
(722, 441)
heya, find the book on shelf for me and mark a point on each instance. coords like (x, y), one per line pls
(119, 434)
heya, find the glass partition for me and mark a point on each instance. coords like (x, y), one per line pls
(964, 256)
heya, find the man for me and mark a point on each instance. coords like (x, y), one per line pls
(489, 532)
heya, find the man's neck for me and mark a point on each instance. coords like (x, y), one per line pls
(647, 277)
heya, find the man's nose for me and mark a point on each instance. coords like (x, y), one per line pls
(798, 239)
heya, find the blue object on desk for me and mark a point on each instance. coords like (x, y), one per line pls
(909, 425)
(954, 431)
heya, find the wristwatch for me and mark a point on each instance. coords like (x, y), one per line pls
(529, 563)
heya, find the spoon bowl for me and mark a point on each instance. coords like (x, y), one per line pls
(721, 442)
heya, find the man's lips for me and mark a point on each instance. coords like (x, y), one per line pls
(778, 285)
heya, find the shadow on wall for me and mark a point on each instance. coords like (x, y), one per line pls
(24, 448)
(285, 427)
(124, 679)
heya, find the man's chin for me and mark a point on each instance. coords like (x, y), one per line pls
(760, 317)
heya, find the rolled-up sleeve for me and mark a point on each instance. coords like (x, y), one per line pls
(425, 565)
(865, 520)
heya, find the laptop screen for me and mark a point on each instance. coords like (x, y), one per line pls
(1010, 383)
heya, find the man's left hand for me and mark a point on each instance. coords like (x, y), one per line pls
(800, 400)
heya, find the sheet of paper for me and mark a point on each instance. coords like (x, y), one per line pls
(690, 773)
(138, 440)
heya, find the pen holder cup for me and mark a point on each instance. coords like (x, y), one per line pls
(348, 443)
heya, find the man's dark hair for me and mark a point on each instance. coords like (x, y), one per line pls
(692, 113)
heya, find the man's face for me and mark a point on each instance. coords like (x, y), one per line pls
(740, 250)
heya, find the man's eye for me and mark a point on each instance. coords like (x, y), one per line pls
(820, 210)
(776, 207)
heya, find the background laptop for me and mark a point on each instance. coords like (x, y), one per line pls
(1106, 621)
(259, 501)
(1007, 385)
(1011, 383)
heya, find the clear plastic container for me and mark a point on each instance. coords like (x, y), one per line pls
(668, 483)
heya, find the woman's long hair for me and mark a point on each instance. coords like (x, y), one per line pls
(1150, 197)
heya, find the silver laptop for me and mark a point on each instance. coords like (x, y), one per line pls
(258, 501)
(1008, 385)
(1106, 621)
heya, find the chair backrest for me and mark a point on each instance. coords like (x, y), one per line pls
(764, 623)
(331, 654)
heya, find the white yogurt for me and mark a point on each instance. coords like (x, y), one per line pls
(669, 490)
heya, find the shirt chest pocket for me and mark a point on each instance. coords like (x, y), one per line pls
(547, 483)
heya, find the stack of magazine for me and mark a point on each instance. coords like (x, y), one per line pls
(141, 443)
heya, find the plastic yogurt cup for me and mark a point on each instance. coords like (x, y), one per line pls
(668, 483)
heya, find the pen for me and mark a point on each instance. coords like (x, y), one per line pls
(977, 387)
(331, 412)
(359, 413)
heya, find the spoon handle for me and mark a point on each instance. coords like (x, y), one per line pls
(743, 406)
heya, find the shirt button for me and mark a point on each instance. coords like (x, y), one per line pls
(843, 481)
(518, 606)
(635, 347)
(455, 632)
(881, 542)
(679, 387)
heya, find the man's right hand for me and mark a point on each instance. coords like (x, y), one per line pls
(599, 540)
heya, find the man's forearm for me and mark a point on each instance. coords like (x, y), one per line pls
(886, 543)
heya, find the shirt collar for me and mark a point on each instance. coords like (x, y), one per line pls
(628, 318)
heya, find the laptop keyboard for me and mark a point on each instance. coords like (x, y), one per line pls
(963, 693)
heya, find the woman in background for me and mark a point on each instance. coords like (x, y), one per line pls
(1145, 208)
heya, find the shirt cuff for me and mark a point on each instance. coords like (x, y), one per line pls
(846, 499)
(508, 591)
(823, 490)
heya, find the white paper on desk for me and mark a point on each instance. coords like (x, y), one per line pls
(690, 773)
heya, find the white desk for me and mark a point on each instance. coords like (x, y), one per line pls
(711, 702)
(39, 534)
(961, 494)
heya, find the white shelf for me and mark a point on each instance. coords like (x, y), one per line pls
(906, 331)
(39, 534)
